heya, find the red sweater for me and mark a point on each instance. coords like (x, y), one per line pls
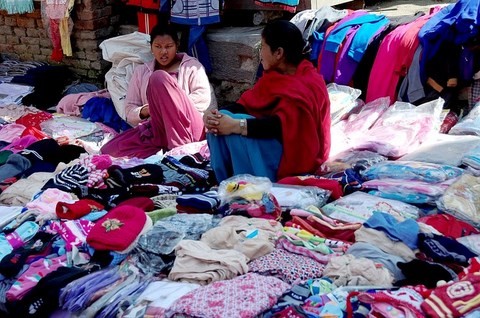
(302, 104)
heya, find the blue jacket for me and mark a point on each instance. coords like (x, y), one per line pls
(456, 23)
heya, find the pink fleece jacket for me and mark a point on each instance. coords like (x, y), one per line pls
(192, 78)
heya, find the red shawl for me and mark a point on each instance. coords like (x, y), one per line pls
(302, 104)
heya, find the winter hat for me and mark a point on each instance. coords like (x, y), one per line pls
(418, 272)
(46, 150)
(141, 174)
(146, 228)
(455, 299)
(117, 229)
(143, 203)
(70, 152)
(444, 249)
(77, 209)
(69, 179)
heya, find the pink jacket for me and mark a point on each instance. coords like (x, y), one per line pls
(192, 78)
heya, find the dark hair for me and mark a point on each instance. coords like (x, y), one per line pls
(285, 34)
(164, 29)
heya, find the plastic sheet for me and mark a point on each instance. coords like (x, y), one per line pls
(401, 129)
(462, 199)
(248, 195)
(468, 125)
(299, 197)
(343, 99)
(412, 170)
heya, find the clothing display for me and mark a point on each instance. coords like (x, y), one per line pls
(374, 213)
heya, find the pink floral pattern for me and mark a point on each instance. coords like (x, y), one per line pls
(291, 268)
(244, 296)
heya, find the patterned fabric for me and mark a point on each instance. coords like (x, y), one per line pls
(289, 267)
(244, 296)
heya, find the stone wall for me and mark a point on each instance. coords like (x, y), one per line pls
(24, 36)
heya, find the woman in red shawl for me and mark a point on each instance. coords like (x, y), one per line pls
(281, 126)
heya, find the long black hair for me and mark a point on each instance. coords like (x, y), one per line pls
(285, 34)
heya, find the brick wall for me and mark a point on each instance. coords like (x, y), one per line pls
(24, 36)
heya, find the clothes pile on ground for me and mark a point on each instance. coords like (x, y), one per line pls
(388, 226)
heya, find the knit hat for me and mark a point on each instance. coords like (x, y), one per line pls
(69, 179)
(77, 209)
(418, 272)
(455, 299)
(143, 203)
(146, 228)
(117, 229)
(141, 174)
(443, 249)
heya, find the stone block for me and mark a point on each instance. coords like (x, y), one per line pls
(31, 41)
(85, 35)
(46, 43)
(93, 4)
(10, 20)
(3, 39)
(96, 65)
(45, 52)
(36, 14)
(80, 72)
(228, 91)
(87, 45)
(104, 32)
(39, 23)
(33, 48)
(12, 39)
(4, 48)
(93, 56)
(20, 32)
(20, 48)
(234, 53)
(80, 55)
(41, 58)
(92, 24)
(26, 56)
(25, 22)
(6, 30)
(32, 33)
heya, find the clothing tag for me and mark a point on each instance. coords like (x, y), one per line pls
(251, 233)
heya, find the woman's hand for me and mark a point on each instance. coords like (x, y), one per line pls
(227, 126)
(210, 120)
(145, 112)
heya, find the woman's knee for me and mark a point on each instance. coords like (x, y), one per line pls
(160, 78)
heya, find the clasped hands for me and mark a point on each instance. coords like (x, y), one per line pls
(220, 124)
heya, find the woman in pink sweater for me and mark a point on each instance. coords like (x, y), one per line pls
(165, 100)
